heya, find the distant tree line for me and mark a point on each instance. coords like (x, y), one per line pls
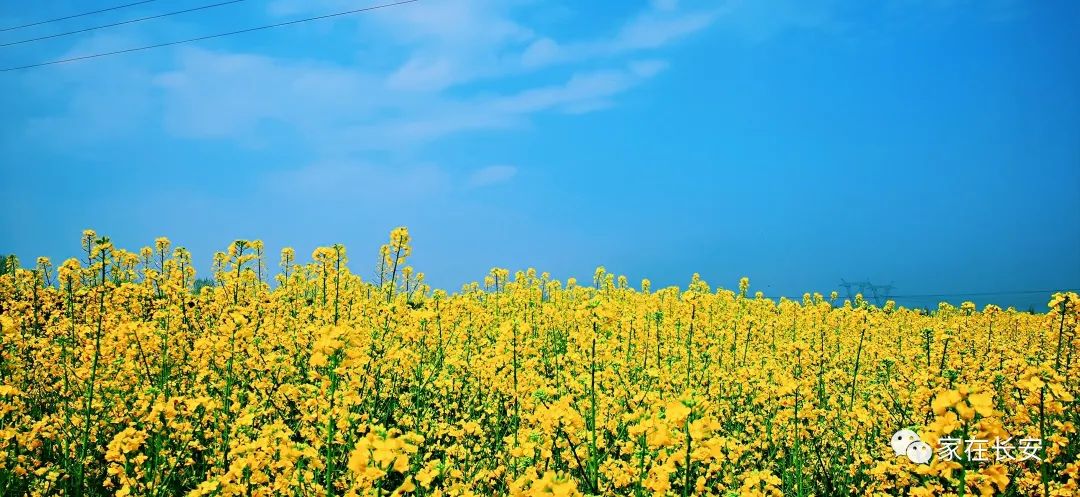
(203, 282)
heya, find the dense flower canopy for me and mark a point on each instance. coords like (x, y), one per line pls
(117, 377)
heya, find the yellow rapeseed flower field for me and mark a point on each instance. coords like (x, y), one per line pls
(119, 377)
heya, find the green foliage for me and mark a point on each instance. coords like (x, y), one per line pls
(201, 282)
(8, 264)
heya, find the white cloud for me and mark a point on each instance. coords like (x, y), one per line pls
(541, 52)
(665, 4)
(425, 74)
(229, 95)
(491, 175)
(446, 42)
(339, 109)
(359, 182)
(94, 98)
(655, 29)
(445, 54)
(581, 93)
(457, 42)
(760, 20)
(649, 30)
(647, 68)
(580, 87)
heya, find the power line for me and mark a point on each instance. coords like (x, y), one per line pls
(939, 295)
(76, 15)
(982, 294)
(208, 37)
(121, 23)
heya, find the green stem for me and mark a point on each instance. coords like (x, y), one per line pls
(855, 375)
(89, 405)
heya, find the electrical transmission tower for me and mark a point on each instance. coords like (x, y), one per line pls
(880, 293)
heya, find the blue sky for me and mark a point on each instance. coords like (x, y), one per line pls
(933, 144)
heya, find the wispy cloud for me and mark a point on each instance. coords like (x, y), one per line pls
(443, 42)
(358, 182)
(491, 175)
(457, 66)
(211, 94)
(651, 29)
(457, 42)
(581, 92)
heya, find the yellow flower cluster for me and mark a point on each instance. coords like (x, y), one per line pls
(121, 375)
